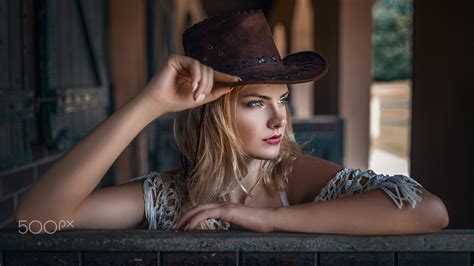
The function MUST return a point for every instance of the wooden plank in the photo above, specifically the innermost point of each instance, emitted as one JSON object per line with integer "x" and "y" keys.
{"x": 434, "y": 258}
{"x": 3, "y": 140}
{"x": 165, "y": 155}
{"x": 128, "y": 69}
{"x": 14, "y": 110}
{"x": 325, "y": 137}
{"x": 357, "y": 258}
{"x": 442, "y": 109}
{"x": 4, "y": 46}
{"x": 89, "y": 22}
{"x": 161, "y": 33}
{"x": 41, "y": 258}
{"x": 199, "y": 258}
{"x": 16, "y": 44}
{"x": 278, "y": 258}
{"x": 120, "y": 258}
{"x": 71, "y": 63}
{"x": 14, "y": 147}
{"x": 327, "y": 41}
{"x": 62, "y": 45}
{"x": 68, "y": 67}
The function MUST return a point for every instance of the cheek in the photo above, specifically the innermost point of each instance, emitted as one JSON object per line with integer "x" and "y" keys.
{"x": 249, "y": 125}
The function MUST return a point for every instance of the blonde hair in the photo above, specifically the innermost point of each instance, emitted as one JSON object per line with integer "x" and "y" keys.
{"x": 221, "y": 162}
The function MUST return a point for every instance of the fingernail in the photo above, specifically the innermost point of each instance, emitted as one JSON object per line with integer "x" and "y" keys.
{"x": 186, "y": 228}
{"x": 200, "y": 97}
{"x": 195, "y": 86}
{"x": 239, "y": 79}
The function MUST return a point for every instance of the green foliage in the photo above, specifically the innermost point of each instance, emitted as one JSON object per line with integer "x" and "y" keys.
{"x": 392, "y": 39}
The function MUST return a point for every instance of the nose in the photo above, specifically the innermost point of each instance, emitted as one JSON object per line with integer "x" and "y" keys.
{"x": 277, "y": 118}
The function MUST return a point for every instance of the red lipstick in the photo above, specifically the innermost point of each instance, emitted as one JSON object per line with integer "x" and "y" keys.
{"x": 273, "y": 140}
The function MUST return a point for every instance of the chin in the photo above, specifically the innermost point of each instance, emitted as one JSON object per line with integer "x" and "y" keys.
{"x": 265, "y": 155}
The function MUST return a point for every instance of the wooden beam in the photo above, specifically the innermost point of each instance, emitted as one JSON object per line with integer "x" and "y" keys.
{"x": 128, "y": 75}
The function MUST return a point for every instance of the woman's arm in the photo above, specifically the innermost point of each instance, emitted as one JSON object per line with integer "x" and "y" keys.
{"x": 371, "y": 212}
{"x": 367, "y": 213}
{"x": 62, "y": 190}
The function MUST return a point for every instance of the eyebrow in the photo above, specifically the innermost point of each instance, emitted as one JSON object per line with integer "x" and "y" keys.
{"x": 264, "y": 96}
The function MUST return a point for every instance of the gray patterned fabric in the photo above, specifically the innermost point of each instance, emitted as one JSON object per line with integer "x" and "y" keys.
{"x": 350, "y": 181}
{"x": 163, "y": 196}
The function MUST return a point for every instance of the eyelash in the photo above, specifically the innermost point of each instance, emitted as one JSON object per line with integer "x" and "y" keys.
{"x": 251, "y": 104}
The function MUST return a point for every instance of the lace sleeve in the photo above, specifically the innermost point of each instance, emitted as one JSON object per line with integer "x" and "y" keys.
{"x": 349, "y": 181}
{"x": 163, "y": 198}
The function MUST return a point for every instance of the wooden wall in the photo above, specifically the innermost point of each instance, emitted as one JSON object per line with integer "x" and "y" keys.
{"x": 129, "y": 76}
{"x": 442, "y": 109}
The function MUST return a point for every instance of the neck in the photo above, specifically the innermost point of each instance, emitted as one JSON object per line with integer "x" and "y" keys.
{"x": 249, "y": 181}
{"x": 252, "y": 175}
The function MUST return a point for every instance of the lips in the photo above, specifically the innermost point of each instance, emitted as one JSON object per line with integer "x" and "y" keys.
{"x": 275, "y": 139}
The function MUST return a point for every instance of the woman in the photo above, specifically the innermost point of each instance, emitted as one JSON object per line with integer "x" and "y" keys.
{"x": 241, "y": 165}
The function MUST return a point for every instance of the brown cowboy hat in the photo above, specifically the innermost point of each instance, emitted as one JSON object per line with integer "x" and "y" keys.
{"x": 240, "y": 43}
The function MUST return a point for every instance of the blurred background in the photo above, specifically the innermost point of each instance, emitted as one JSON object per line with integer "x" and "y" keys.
{"x": 395, "y": 99}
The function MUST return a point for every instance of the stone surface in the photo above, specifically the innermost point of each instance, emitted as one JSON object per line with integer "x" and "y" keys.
{"x": 212, "y": 241}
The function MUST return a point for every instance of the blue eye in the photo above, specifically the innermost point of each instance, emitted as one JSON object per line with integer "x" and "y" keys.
{"x": 284, "y": 101}
{"x": 254, "y": 104}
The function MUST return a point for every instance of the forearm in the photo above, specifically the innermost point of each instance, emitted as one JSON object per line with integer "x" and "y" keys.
{"x": 72, "y": 178}
{"x": 368, "y": 213}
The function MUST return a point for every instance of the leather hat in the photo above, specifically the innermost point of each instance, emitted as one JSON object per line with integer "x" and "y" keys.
{"x": 240, "y": 43}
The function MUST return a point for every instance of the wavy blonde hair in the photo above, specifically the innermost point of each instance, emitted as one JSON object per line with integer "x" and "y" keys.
{"x": 221, "y": 161}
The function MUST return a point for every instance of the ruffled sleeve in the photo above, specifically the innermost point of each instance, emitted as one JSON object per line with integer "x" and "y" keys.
{"x": 350, "y": 181}
{"x": 163, "y": 197}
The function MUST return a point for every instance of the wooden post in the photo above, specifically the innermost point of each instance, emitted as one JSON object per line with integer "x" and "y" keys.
{"x": 128, "y": 75}
{"x": 442, "y": 110}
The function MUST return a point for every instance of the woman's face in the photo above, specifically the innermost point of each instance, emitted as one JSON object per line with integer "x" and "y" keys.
{"x": 260, "y": 119}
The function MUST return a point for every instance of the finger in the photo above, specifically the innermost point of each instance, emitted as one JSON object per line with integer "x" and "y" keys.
{"x": 204, "y": 215}
{"x": 181, "y": 63}
{"x": 223, "y": 77}
{"x": 211, "y": 81}
{"x": 196, "y": 74}
{"x": 184, "y": 219}
{"x": 207, "y": 73}
{"x": 223, "y": 212}
{"x": 202, "y": 84}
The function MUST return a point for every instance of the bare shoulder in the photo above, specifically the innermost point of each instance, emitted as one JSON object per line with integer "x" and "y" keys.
{"x": 308, "y": 176}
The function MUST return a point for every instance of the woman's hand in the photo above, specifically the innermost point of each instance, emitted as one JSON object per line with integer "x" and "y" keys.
{"x": 184, "y": 83}
{"x": 251, "y": 218}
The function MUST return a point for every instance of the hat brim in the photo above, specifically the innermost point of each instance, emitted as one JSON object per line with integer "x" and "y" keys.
{"x": 299, "y": 67}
